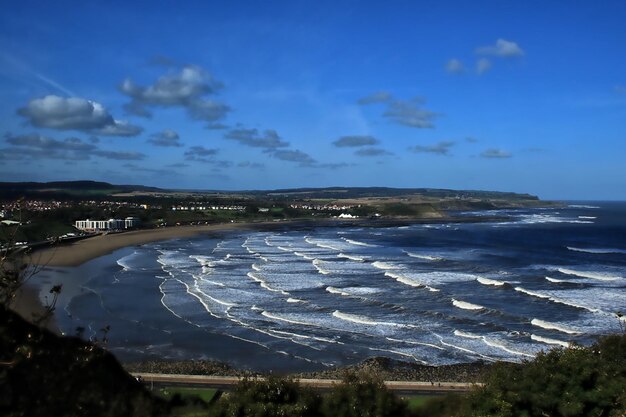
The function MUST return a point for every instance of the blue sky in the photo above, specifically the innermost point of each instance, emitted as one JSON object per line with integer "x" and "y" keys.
{"x": 522, "y": 96}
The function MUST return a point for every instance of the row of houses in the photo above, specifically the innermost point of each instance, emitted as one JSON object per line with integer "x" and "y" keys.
{"x": 111, "y": 224}
{"x": 192, "y": 208}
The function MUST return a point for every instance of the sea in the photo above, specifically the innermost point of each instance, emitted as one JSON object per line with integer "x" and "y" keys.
{"x": 520, "y": 282}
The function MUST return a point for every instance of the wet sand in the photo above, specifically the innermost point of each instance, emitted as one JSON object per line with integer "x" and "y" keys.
{"x": 81, "y": 251}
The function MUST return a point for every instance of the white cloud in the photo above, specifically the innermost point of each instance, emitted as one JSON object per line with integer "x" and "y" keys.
{"x": 502, "y": 48}
{"x": 75, "y": 114}
{"x": 454, "y": 66}
{"x": 185, "y": 88}
{"x": 482, "y": 65}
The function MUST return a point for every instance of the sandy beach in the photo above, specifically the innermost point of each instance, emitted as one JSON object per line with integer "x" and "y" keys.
{"x": 81, "y": 251}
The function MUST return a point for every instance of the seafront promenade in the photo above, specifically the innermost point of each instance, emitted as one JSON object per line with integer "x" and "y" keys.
{"x": 228, "y": 382}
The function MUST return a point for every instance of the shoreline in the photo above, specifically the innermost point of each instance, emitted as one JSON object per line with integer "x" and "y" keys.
{"x": 81, "y": 251}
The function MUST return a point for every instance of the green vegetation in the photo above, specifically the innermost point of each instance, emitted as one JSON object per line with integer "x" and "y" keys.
{"x": 34, "y": 232}
{"x": 205, "y": 394}
{"x": 416, "y": 402}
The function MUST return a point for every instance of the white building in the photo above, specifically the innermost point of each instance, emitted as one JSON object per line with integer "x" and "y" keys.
{"x": 131, "y": 222}
{"x": 111, "y": 224}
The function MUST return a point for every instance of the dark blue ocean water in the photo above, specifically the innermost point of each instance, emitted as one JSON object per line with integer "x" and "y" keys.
{"x": 294, "y": 300}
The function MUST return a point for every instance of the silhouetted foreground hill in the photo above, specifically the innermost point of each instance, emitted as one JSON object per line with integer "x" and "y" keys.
{"x": 42, "y": 374}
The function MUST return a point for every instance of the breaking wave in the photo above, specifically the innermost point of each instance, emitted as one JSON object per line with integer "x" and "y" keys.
{"x": 351, "y": 257}
{"x": 465, "y": 305}
{"x": 354, "y": 318}
{"x": 487, "y": 281}
{"x": 384, "y": 265}
{"x": 548, "y": 340}
{"x": 597, "y": 250}
{"x": 588, "y": 274}
{"x": 357, "y": 243}
{"x": 553, "y": 326}
{"x": 424, "y": 257}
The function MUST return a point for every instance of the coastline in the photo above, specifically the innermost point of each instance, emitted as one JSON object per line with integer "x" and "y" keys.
{"x": 81, "y": 251}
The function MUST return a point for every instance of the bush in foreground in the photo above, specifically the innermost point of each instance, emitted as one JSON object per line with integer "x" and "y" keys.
{"x": 578, "y": 381}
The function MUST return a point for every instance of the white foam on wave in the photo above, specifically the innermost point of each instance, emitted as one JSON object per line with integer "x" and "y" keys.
{"x": 256, "y": 267}
{"x": 284, "y": 249}
{"x": 409, "y": 281}
{"x": 597, "y": 250}
{"x": 587, "y": 217}
{"x": 557, "y": 281}
{"x": 553, "y": 299}
{"x": 286, "y": 320}
{"x": 548, "y": 340}
{"x": 295, "y": 300}
{"x": 542, "y": 219}
{"x": 351, "y": 257}
{"x": 357, "y": 243}
{"x": 583, "y": 206}
{"x": 553, "y": 326}
{"x": 467, "y": 335}
{"x": 589, "y": 274}
{"x": 500, "y": 345}
{"x": 321, "y": 244}
{"x": 264, "y": 284}
{"x": 301, "y": 336}
{"x": 400, "y": 353}
{"x": 493, "y": 282}
{"x": 412, "y": 342}
{"x": 354, "y": 318}
{"x": 318, "y": 264}
{"x": 384, "y": 265}
{"x": 123, "y": 262}
{"x": 334, "y": 290}
{"x": 465, "y": 305}
{"x": 424, "y": 257}
{"x": 302, "y": 255}
{"x": 464, "y": 349}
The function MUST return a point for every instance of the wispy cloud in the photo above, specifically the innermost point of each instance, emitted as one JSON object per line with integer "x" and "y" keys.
{"x": 40, "y": 147}
{"x": 454, "y": 66}
{"x": 120, "y": 156}
{"x": 441, "y": 148}
{"x": 23, "y": 67}
{"x": 157, "y": 171}
{"x": 355, "y": 141}
{"x": 409, "y": 113}
{"x": 377, "y": 97}
{"x": 166, "y": 138}
{"x": 268, "y": 139}
{"x": 502, "y": 48}
{"x": 482, "y": 66}
{"x": 369, "y": 152}
{"x": 495, "y": 153}
{"x": 294, "y": 156}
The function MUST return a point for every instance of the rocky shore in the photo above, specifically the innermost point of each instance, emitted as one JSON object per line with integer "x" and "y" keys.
{"x": 387, "y": 369}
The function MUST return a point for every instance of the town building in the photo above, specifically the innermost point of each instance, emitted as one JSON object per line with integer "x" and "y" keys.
{"x": 106, "y": 225}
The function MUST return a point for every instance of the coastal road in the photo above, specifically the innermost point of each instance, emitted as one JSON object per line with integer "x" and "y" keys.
{"x": 227, "y": 382}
